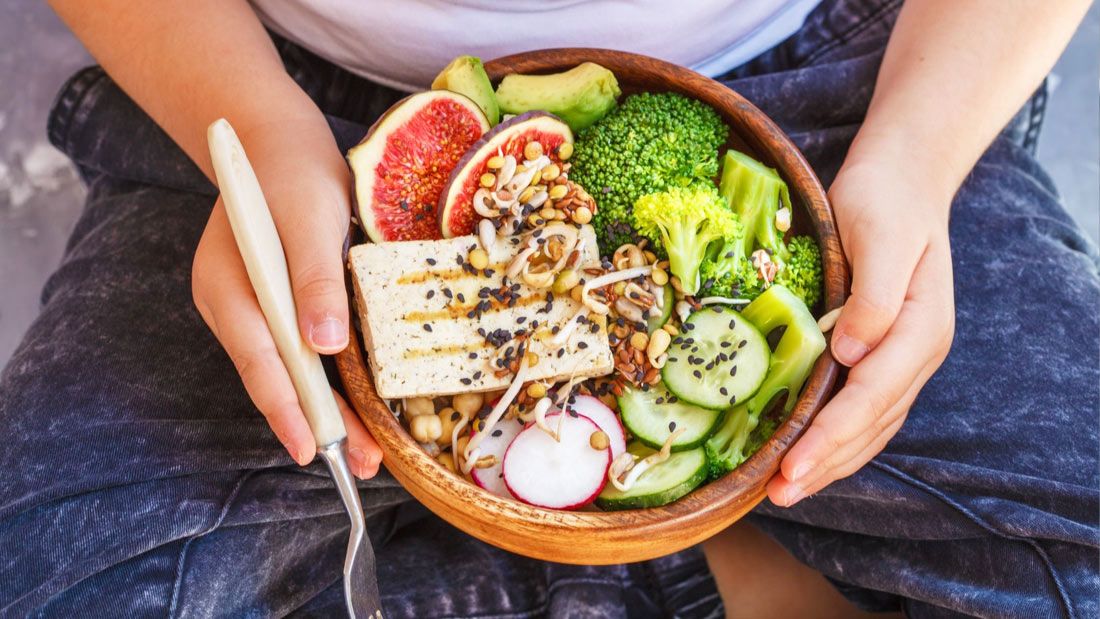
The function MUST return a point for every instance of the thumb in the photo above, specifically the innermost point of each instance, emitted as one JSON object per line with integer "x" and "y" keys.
{"x": 881, "y": 271}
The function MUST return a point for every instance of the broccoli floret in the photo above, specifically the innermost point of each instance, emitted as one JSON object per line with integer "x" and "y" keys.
{"x": 790, "y": 366}
{"x": 755, "y": 192}
{"x": 684, "y": 221}
{"x": 727, "y": 273}
{"x": 801, "y": 273}
{"x": 651, "y": 142}
{"x": 725, "y": 450}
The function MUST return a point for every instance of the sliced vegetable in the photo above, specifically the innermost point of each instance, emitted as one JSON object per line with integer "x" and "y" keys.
{"x": 660, "y": 485}
{"x": 718, "y": 360}
{"x": 652, "y": 415}
{"x": 493, "y": 447}
{"x": 563, "y": 474}
{"x": 604, "y": 417}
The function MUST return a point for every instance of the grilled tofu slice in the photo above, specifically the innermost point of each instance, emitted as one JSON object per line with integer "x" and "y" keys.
{"x": 432, "y": 327}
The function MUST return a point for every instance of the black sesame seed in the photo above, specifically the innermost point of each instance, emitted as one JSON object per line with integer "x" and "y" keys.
{"x": 497, "y": 433}
{"x": 582, "y": 345}
{"x": 466, "y": 381}
{"x": 431, "y": 293}
{"x": 431, "y": 261}
{"x": 473, "y": 355}
{"x": 521, "y": 319}
{"x": 455, "y": 416}
{"x": 461, "y": 298}
{"x": 477, "y": 375}
{"x": 427, "y": 327}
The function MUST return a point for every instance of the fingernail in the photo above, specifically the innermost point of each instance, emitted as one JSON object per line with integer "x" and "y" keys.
{"x": 359, "y": 462}
{"x": 849, "y": 350}
{"x": 295, "y": 453}
{"x": 793, "y": 495}
{"x": 800, "y": 471}
{"x": 329, "y": 333}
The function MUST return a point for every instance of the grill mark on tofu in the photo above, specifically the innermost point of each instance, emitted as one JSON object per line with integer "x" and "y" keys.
{"x": 419, "y": 277}
{"x": 453, "y": 349}
{"x": 459, "y": 310}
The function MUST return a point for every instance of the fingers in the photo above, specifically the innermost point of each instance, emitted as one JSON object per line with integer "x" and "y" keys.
{"x": 228, "y": 305}
{"x": 872, "y": 405}
{"x": 363, "y": 452}
{"x": 880, "y": 280}
{"x": 313, "y": 239}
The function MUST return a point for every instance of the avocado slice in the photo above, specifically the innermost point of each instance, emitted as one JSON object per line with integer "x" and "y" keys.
{"x": 466, "y": 76}
{"x": 579, "y": 96}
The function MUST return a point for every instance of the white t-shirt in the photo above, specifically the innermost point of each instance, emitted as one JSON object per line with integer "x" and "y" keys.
{"x": 405, "y": 43}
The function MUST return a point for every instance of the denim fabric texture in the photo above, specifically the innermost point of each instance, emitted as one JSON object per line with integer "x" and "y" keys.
{"x": 137, "y": 480}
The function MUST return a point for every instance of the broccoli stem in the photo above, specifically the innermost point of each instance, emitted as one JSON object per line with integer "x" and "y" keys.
{"x": 755, "y": 192}
{"x": 791, "y": 362}
{"x": 686, "y": 243}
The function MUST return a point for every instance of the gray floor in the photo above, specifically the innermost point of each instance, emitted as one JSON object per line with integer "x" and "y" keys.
{"x": 40, "y": 196}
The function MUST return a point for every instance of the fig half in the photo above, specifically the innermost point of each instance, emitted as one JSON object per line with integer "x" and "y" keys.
{"x": 456, "y": 203}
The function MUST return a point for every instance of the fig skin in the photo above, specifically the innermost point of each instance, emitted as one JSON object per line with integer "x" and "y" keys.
{"x": 485, "y": 148}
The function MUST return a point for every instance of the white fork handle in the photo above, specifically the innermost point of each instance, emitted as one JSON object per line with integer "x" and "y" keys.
{"x": 258, "y": 241}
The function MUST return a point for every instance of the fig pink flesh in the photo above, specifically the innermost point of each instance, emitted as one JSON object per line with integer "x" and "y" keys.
{"x": 604, "y": 417}
{"x": 564, "y": 474}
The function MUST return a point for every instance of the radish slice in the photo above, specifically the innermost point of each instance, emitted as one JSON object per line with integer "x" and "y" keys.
{"x": 605, "y": 418}
{"x": 495, "y": 444}
{"x": 564, "y": 474}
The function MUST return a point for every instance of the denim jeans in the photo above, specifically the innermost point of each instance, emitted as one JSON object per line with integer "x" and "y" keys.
{"x": 136, "y": 478}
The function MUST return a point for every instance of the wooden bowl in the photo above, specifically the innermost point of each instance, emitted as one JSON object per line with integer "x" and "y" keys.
{"x": 590, "y": 537}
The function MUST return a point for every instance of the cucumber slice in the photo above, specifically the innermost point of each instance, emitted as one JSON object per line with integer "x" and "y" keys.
{"x": 658, "y": 320}
{"x": 649, "y": 414}
{"x": 718, "y": 360}
{"x": 662, "y": 484}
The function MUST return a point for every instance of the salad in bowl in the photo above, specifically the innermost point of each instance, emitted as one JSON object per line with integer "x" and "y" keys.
{"x": 576, "y": 298}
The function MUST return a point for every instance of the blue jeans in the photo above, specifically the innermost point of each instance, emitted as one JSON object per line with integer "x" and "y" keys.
{"x": 136, "y": 479}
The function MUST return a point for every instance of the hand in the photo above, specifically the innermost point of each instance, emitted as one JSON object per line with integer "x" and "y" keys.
{"x": 306, "y": 183}
{"x": 894, "y": 331}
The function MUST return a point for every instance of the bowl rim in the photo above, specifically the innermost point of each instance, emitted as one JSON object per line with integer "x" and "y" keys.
{"x": 706, "y": 510}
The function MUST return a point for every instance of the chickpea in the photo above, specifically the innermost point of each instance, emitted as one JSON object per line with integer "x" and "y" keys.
{"x": 448, "y": 419}
{"x": 415, "y": 407}
{"x": 468, "y": 403}
{"x": 425, "y": 428}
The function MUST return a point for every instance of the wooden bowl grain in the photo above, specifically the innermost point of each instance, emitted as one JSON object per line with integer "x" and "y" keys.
{"x": 592, "y": 537}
